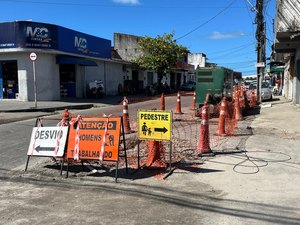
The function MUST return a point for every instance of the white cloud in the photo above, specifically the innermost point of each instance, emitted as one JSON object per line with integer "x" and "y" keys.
{"x": 130, "y": 2}
{"x": 219, "y": 35}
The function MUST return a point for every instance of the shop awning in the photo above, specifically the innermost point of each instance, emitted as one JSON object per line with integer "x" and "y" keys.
{"x": 62, "y": 59}
{"x": 277, "y": 69}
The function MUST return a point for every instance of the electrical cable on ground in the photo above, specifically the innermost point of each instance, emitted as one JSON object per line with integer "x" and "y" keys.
{"x": 253, "y": 160}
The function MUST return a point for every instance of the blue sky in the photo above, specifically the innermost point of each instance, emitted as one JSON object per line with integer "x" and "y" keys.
{"x": 222, "y": 29}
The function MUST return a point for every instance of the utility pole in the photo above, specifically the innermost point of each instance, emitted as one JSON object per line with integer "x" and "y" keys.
{"x": 261, "y": 46}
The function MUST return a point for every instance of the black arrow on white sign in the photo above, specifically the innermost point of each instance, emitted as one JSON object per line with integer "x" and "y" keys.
{"x": 44, "y": 149}
{"x": 161, "y": 129}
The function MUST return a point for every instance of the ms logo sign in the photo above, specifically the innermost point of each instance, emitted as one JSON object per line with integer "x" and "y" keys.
{"x": 37, "y": 33}
{"x": 80, "y": 43}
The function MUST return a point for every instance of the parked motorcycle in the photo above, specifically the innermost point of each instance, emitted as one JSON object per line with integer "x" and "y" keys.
{"x": 95, "y": 89}
{"x": 276, "y": 90}
{"x": 157, "y": 88}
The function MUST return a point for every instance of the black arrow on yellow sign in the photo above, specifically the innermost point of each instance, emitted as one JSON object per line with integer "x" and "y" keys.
{"x": 161, "y": 129}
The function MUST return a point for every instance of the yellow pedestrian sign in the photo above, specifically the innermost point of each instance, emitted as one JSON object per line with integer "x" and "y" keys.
{"x": 154, "y": 125}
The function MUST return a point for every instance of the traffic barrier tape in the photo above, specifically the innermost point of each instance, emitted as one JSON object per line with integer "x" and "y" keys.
{"x": 104, "y": 141}
{"x": 39, "y": 124}
{"x": 58, "y": 140}
{"x": 75, "y": 123}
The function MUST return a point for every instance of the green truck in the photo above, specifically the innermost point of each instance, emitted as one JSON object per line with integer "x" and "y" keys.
{"x": 215, "y": 81}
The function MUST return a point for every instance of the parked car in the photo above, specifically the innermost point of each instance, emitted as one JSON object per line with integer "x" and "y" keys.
{"x": 247, "y": 84}
{"x": 266, "y": 90}
{"x": 188, "y": 86}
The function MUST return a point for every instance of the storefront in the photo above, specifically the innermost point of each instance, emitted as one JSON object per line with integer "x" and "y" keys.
{"x": 67, "y": 61}
{"x": 8, "y": 79}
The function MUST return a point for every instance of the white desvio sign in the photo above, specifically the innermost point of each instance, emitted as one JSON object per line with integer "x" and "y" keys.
{"x": 48, "y": 141}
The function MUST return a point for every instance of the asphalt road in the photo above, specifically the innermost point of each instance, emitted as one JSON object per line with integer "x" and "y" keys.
{"x": 15, "y": 136}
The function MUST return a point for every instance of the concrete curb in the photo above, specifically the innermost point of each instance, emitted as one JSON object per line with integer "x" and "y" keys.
{"x": 50, "y": 109}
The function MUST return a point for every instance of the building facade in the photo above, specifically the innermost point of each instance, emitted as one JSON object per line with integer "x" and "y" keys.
{"x": 197, "y": 59}
{"x": 126, "y": 45}
{"x": 285, "y": 59}
{"x": 67, "y": 60}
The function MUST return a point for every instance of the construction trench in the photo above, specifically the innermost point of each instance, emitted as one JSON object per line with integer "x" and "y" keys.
{"x": 196, "y": 134}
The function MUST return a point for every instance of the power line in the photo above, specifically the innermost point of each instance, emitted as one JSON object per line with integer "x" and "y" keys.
{"x": 253, "y": 7}
{"x": 251, "y": 19}
{"x": 229, "y": 49}
{"x": 231, "y": 53}
{"x": 251, "y": 71}
{"x": 114, "y": 5}
{"x": 245, "y": 67}
{"x": 241, "y": 62}
{"x": 206, "y": 22}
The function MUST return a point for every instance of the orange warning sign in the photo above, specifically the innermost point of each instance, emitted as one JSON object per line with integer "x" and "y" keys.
{"x": 90, "y": 136}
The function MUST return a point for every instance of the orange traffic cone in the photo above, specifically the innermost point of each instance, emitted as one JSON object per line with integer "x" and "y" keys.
{"x": 194, "y": 101}
{"x": 247, "y": 106}
{"x": 242, "y": 98}
{"x": 162, "y": 102}
{"x": 234, "y": 89}
{"x": 126, "y": 122}
{"x": 238, "y": 114}
{"x": 65, "y": 118}
{"x": 230, "y": 109}
{"x": 178, "y": 105}
{"x": 222, "y": 118}
{"x": 155, "y": 154}
{"x": 203, "y": 145}
{"x": 253, "y": 98}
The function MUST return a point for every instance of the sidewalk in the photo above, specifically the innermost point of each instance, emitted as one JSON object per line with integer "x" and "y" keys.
{"x": 282, "y": 116}
{"x": 12, "y": 110}
{"x": 13, "y": 105}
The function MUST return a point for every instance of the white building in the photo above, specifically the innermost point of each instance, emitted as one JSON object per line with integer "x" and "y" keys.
{"x": 197, "y": 60}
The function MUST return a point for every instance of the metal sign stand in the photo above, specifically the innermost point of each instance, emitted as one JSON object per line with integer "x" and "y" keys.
{"x": 124, "y": 144}
{"x": 117, "y": 162}
{"x": 164, "y": 125}
{"x": 125, "y": 152}
{"x": 170, "y": 160}
{"x": 61, "y": 165}
{"x": 170, "y": 163}
{"x": 38, "y": 122}
{"x": 33, "y": 58}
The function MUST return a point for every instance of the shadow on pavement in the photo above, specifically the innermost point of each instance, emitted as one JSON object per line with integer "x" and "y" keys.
{"x": 78, "y": 170}
{"x": 252, "y": 111}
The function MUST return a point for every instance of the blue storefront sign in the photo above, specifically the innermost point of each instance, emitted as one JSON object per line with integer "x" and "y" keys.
{"x": 83, "y": 44}
{"x": 7, "y": 37}
{"x": 1, "y": 81}
{"x": 26, "y": 34}
{"x": 37, "y": 35}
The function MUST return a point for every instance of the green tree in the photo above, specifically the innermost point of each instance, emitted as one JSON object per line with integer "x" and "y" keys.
{"x": 159, "y": 54}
